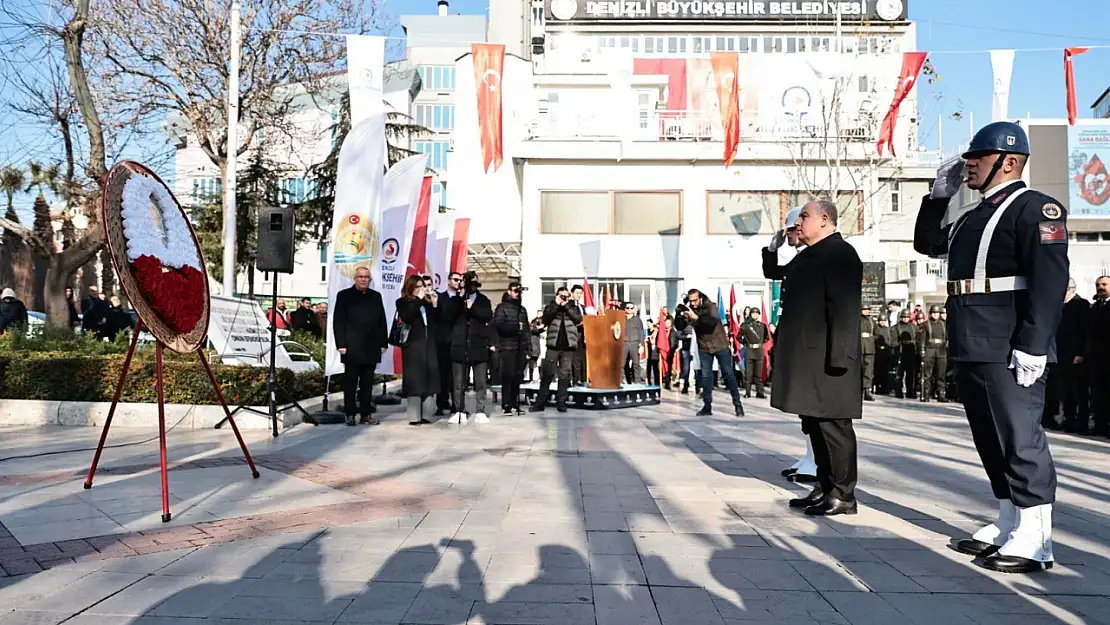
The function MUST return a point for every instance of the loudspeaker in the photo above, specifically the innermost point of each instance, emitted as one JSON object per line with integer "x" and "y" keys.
{"x": 275, "y": 240}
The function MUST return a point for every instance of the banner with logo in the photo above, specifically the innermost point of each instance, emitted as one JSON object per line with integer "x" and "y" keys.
{"x": 624, "y": 98}
{"x": 489, "y": 67}
{"x": 357, "y": 211}
{"x": 851, "y": 11}
{"x": 401, "y": 195}
{"x": 441, "y": 256}
{"x": 726, "y": 65}
{"x": 1002, "y": 64}
{"x": 1088, "y": 170}
{"x": 365, "y": 67}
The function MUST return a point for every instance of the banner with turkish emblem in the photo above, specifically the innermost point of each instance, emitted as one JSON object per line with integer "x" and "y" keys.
{"x": 355, "y": 237}
{"x": 401, "y": 195}
{"x": 726, "y": 67}
{"x": 489, "y": 66}
{"x": 912, "y": 62}
{"x": 365, "y": 68}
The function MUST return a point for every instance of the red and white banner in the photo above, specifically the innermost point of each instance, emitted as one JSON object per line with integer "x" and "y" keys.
{"x": 460, "y": 245}
{"x": 1002, "y": 64}
{"x": 726, "y": 67}
{"x": 418, "y": 255}
{"x": 1069, "y": 81}
{"x": 441, "y": 257}
{"x": 912, "y": 62}
{"x": 588, "y": 298}
{"x": 489, "y": 66}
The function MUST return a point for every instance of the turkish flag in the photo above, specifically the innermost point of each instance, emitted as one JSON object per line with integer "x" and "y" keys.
{"x": 912, "y": 62}
{"x": 733, "y": 322}
{"x": 460, "y": 245}
{"x": 419, "y": 242}
{"x": 1069, "y": 80}
{"x": 768, "y": 345}
{"x": 726, "y": 66}
{"x": 588, "y": 296}
{"x": 489, "y": 63}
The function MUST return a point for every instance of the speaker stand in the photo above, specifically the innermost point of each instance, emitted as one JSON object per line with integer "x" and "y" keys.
{"x": 272, "y": 389}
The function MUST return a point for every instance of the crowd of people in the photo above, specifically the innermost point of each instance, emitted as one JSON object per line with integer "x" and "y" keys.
{"x": 100, "y": 316}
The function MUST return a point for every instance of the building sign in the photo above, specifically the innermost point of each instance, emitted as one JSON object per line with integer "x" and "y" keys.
{"x": 240, "y": 334}
{"x": 728, "y": 10}
{"x": 1088, "y": 167}
{"x": 873, "y": 293}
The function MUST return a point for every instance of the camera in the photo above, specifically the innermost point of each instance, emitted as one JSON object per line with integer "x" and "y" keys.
{"x": 681, "y": 309}
{"x": 471, "y": 283}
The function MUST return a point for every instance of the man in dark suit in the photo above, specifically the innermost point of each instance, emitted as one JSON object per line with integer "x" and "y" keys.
{"x": 443, "y": 332}
{"x": 818, "y": 368}
{"x": 1067, "y": 382}
{"x": 304, "y": 318}
{"x": 361, "y": 337}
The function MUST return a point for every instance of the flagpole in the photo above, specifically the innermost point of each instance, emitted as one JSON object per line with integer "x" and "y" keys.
{"x": 232, "y": 157}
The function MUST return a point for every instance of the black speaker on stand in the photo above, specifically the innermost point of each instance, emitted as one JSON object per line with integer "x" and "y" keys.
{"x": 275, "y": 255}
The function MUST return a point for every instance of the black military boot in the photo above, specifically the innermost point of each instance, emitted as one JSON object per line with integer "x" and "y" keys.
{"x": 867, "y": 396}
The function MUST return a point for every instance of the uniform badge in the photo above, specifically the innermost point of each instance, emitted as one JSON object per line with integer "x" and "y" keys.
{"x": 997, "y": 199}
{"x": 1051, "y": 211}
{"x": 1052, "y": 232}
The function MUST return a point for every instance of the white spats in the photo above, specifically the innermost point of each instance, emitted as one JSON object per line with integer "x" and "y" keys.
{"x": 458, "y": 418}
{"x": 1032, "y": 537}
{"x": 808, "y": 464}
{"x": 481, "y": 418}
{"x": 996, "y": 533}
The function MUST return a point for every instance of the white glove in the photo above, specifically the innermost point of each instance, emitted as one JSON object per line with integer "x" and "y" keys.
{"x": 777, "y": 240}
{"x": 1027, "y": 368}
{"x": 949, "y": 179}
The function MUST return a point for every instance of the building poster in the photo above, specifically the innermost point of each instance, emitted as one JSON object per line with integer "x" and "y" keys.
{"x": 1088, "y": 184}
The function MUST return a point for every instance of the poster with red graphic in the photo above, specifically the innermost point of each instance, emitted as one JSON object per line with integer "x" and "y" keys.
{"x": 1088, "y": 166}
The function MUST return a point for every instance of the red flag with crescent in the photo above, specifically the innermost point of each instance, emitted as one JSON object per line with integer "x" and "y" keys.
{"x": 588, "y": 295}
{"x": 726, "y": 67}
{"x": 489, "y": 63}
{"x": 912, "y": 62}
{"x": 419, "y": 238}
{"x": 1069, "y": 81}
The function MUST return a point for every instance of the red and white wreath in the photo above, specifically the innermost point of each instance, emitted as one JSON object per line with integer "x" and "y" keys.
{"x": 162, "y": 252}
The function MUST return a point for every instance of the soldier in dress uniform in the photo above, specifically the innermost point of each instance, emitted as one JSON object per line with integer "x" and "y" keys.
{"x": 932, "y": 344}
{"x": 883, "y": 340}
{"x": 905, "y": 335}
{"x": 754, "y": 333}
{"x": 1007, "y": 272}
{"x": 867, "y": 350}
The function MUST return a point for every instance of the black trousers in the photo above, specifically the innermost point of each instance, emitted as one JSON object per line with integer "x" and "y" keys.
{"x": 753, "y": 374}
{"x": 512, "y": 372}
{"x": 834, "y": 451}
{"x": 934, "y": 374}
{"x": 1100, "y": 397}
{"x": 556, "y": 364}
{"x": 578, "y": 367}
{"x": 907, "y": 373}
{"x": 358, "y": 384}
{"x": 1075, "y": 393}
{"x": 882, "y": 371}
{"x": 653, "y": 372}
{"x": 446, "y": 380}
{"x": 867, "y": 371}
{"x": 1005, "y": 421}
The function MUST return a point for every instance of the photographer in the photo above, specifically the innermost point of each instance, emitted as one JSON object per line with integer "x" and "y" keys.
{"x": 535, "y": 332}
{"x": 510, "y": 321}
{"x": 713, "y": 345}
{"x": 469, "y": 312}
{"x": 562, "y": 319}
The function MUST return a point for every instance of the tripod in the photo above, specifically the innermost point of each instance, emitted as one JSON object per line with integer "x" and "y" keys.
{"x": 272, "y": 389}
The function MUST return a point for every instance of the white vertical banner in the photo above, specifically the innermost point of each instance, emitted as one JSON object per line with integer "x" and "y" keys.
{"x": 441, "y": 257}
{"x": 1002, "y": 62}
{"x": 365, "y": 67}
{"x": 626, "y": 118}
{"x": 400, "y": 195}
{"x": 357, "y": 211}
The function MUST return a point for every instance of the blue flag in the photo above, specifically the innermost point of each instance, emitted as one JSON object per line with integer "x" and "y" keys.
{"x": 721, "y": 306}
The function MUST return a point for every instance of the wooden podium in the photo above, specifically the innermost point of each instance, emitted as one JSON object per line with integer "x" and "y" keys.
{"x": 605, "y": 348}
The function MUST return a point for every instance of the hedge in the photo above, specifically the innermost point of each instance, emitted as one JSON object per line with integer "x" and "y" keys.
{"x": 66, "y": 377}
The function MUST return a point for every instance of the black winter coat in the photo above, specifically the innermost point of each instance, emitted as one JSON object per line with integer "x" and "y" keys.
{"x": 510, "y": 322}
{"x": 359, "y": 323}
{"x": 13, "y": 315}
{"x": 817, "y": 354}
{"x": 470, "y": 334}
{"x": 1071, "y": 336}
{"x": 419, "y": 359}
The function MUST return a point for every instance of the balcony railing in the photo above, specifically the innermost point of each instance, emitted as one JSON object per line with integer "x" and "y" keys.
{"x": 906, "y": 270}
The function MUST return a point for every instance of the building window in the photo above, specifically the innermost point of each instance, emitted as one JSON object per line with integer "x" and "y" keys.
{"x": 295, "y": 190}
{"x": 772, "y": 44}
{"x": 323, "y": 261}
{"x": 743, "y": 212}
{"x": 437, "y": 77}
{"x": 572, "y": 212}
{"x": 1087, "y": 237}
{"x": 207, "y": 190}
{"x": 439, "y": 194}
{"x": 436, "y": 116}
{"x": 895, "y": 196}
{"x": 548, "y": 289}
{"x": 647, "y": 213}
{"x": 436, "y": 151}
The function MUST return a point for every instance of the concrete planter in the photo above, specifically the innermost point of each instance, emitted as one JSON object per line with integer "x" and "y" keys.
{"x": 183, "y": 416}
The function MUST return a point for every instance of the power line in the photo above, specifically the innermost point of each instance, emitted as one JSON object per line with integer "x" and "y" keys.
{"x": 1016, "y": 31}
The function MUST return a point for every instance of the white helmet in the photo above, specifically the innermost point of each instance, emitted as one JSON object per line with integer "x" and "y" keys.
{"x": 792, "y": 217}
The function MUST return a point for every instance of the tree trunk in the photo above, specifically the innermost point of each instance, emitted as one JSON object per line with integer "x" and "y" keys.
{"x": 57, "y": 311}
{"x": 108, "y": 273}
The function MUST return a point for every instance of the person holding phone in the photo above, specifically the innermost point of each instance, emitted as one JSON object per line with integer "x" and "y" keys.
{"x": 563, "y": 320}
{"x": 510, "y": 321}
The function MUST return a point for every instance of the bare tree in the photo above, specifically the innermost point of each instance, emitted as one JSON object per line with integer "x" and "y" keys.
{"x": 27, "y": 31}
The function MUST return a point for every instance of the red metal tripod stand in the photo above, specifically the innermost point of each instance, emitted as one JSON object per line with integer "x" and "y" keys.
{"x": 162, "y": 417}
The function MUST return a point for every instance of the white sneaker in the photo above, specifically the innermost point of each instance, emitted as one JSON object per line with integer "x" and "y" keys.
{"x": 481, "y": 418}
{"x": 458, "y": 418}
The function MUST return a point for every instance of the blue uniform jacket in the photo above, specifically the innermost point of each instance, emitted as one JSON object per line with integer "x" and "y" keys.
{"x": 1031, "y": 241}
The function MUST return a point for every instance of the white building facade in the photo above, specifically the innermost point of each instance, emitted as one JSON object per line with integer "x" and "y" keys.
{"x": 628, "y": 186}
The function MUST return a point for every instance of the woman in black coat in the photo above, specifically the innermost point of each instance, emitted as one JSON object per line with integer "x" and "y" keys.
{"x": 419, "y": 358}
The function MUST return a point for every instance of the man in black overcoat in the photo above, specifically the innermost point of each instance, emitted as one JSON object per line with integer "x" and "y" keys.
{"x": 818, "y": 361}
{"x": 361, "y": 338}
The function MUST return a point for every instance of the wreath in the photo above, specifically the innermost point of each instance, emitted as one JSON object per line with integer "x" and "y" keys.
{"x": 163, "y": 256}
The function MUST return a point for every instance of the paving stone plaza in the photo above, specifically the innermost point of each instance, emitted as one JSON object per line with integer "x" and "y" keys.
{"x": 635, "y": 517}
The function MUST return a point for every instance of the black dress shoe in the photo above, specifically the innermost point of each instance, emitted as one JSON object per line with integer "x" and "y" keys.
{"x": 899, "y": 396}
{"x": 1012, "y": 564}
{"x": 815, "y": 497}
{"x": 705, "y": 412}
{"x": 350, "y": 419}
{"x": 536, "y": 408}
{"x": 799, "y": 478}
{"x": 789, "y": 472}
{"x": 832, "y": 506}
{"x": 867, "y": 396}
{"x": 562, "y": 408}
{"x": 760, "y": 396}
{"x": 739, "y": 411}
{"x": 976, "y": 548}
